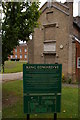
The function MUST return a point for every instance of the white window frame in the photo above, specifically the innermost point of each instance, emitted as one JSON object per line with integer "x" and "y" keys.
{"x": 20, "y": 50}
{"x": 20, "y": 56}
{"x": 11, "y": 56}
{"x": 15, "y": 56}
{"x": 25, "y": 57}
{"x": 15, "y": 50}
{"x": 25, "y": 50}
{"x": 78, "y": 62}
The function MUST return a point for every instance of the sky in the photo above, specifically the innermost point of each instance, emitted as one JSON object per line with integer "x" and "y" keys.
{"x": 75, "y": 6}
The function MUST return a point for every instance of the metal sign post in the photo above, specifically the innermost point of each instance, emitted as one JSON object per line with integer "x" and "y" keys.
{"x": 42, "y": 88}
{"x": 28, "y": 116}
{"x": 55, "y": 116}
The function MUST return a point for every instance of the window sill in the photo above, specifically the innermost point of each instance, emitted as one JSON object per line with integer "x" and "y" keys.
{"x": 50, "y": 52}
{"x": 49, "y": 41}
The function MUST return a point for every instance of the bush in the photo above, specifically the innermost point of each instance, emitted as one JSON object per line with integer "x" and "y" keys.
{"x": 69, "y": 80}
{"x": 63, "y": 78}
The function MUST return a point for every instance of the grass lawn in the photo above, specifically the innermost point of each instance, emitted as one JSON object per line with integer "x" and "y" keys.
{"x": 13, "y": 102}
{"x": 13, "y": 66}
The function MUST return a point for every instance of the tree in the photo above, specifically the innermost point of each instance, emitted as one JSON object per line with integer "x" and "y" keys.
{"x": 20, "y": 19}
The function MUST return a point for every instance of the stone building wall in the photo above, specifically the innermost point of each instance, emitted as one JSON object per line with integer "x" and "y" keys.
{"x": 54, "y": 32}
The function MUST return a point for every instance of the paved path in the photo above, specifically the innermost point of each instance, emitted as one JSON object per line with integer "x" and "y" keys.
{"x": 11, "y": 76}
{"x": 19, "y": 76}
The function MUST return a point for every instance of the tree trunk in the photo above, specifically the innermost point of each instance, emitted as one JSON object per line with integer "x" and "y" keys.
{"x": 3, "y": 67}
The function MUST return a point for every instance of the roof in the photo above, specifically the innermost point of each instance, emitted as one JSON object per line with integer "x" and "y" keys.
{"x": 75, "y": 38}
{"x": 57, "y": 5}
{"x": 77, "y": 21}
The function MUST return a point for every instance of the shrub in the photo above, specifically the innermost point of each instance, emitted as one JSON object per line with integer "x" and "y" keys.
{"x": 69, "y": 80}
{"x": 63, "y": 78}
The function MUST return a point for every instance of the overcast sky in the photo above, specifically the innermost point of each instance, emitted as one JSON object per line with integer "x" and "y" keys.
{"x": 75, "y": 6}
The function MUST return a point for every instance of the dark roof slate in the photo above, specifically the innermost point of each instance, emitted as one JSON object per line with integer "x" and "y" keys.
{"x": 77, "y": 21}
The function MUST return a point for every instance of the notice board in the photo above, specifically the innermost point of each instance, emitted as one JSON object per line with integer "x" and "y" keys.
{"x": 42, "y": 88}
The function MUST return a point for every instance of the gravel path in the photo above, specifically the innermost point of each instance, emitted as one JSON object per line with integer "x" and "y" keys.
{"x": 70, "y": 85}
{"x": 11, "y": 76}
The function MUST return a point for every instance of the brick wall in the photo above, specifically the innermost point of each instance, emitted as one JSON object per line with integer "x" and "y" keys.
{"x": 76, "y": 31}
{"x": 77, "y": 55}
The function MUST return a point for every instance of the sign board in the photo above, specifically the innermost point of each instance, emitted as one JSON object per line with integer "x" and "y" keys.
{"x": 42, "y": 88}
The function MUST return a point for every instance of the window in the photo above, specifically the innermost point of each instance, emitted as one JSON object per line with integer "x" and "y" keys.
{"x": 15, "y": 56}
{"x": 50, "y": 33}
{"x": 20, "y": 50}
{"x": 11, "y": 56}
{"x": 78, "y": 62}
{"x": 20, "y": 56}
{"x": 15, "y": 50}
{"x": 49, "y": 47}
{"x": 49, "y": 15}
{"x": 25, "y": 50}
{"x": 25, "y": 56}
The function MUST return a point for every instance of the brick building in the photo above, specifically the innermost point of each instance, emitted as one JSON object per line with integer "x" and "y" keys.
{"x": 20, "y": 52}
{"x": 52, "y": 41}
{"x": 76, "y": 38}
